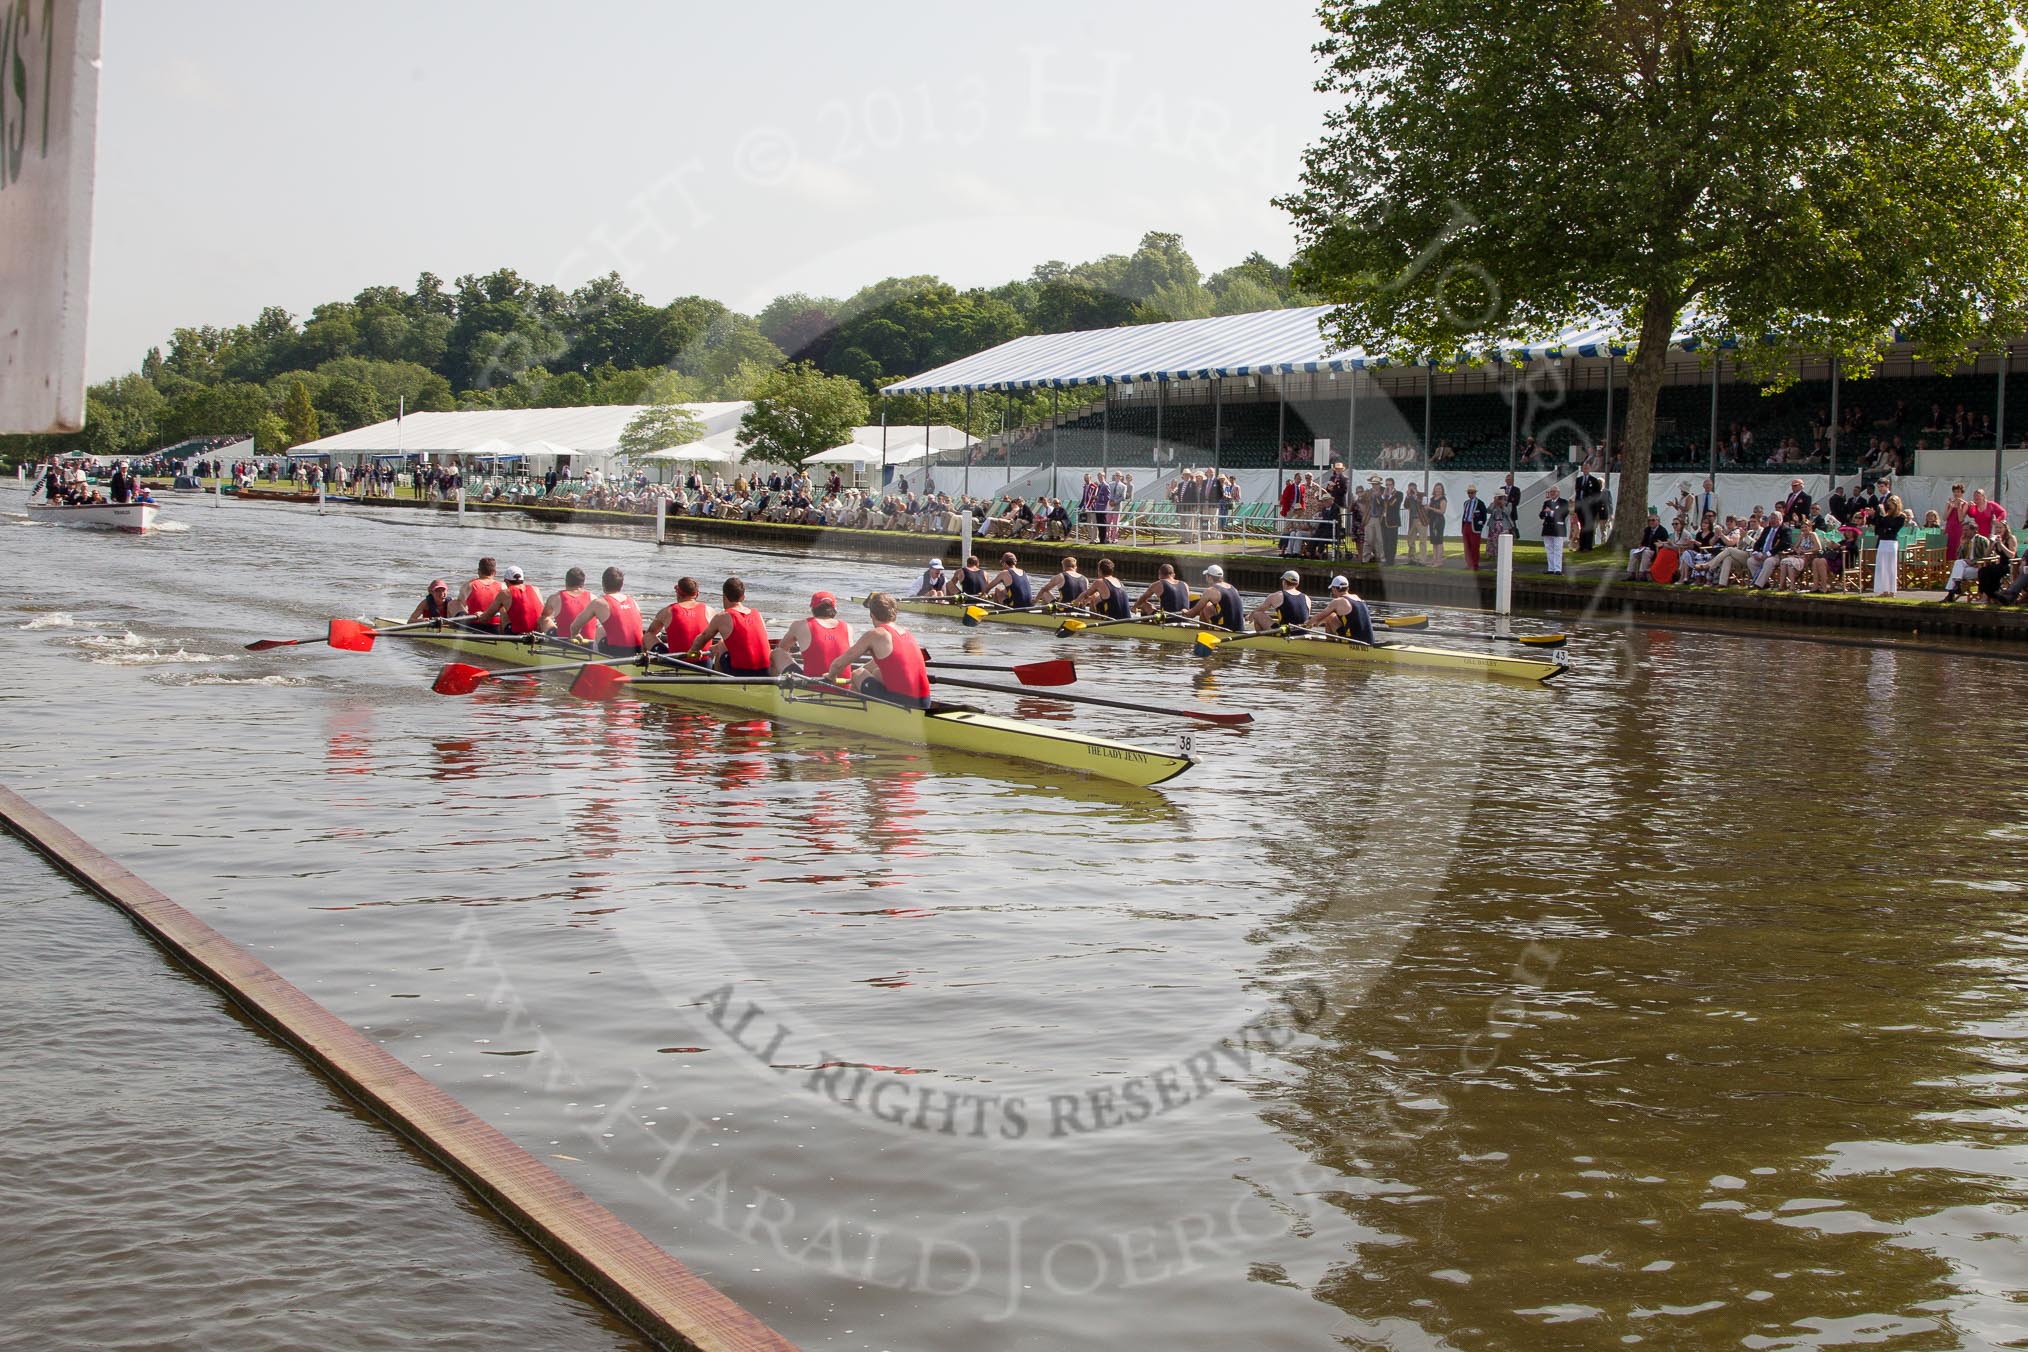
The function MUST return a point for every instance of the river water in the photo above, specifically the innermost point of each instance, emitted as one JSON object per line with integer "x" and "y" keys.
{"x": 1678, "y": 1002}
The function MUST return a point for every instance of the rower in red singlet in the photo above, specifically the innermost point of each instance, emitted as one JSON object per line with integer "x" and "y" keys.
{"x": 679, "y": 623}
{"x": 518, "y": 606}
{"x": 819, "y": 639}
{"x": 897, "y": 672}
{"x": 743, "y": 636}
{"x": 480, "y": 593}
{"x": 560, "y": 614}
{"x": 618, "y": 618}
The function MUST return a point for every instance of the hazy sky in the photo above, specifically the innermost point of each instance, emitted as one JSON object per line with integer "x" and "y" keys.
{"x": 258, "y": 154}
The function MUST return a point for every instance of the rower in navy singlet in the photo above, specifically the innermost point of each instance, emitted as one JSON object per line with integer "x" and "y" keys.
{"x": 1219, "y": 605}
{"x": 1287, "y": 606}
{"x": 1345, "y": 614}
{"x": 1166, "y": 595}
{"x": 1067, "y": 585}
{"x": 1105, "y": 595}
{"x": 1010, "y": 586}
{"x": 972, "y": 578}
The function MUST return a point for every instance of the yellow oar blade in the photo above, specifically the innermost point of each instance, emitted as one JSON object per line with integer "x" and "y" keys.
{"x": 1070, "y": 626}
{"x": 974, "y": 615}
{"x": 1206, "y": 644}
{"x": 1543, "y": 640}
{"x": 1406, "y": 622}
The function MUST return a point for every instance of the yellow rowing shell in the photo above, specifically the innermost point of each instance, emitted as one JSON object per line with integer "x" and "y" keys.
{"x": 952, "y": 726}
{"x": 1412, "y": 655}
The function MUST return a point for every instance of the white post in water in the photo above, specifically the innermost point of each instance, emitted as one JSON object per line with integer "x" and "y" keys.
{"x": 461, "y": 504}
{"x": 218, "y": 496}
{"x": 965, "y": 536}
{"x": 1503, "y": 577}
{"x": 320, "y": 497}
{"x": 661, "y": 516}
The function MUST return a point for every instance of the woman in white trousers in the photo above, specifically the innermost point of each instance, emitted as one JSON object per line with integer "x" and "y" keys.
{"x": 1887, "y": 527}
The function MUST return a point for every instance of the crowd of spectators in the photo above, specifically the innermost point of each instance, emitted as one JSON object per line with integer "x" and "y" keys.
{"x": 68, "y": 485}
{"x": 1803, "y": 545}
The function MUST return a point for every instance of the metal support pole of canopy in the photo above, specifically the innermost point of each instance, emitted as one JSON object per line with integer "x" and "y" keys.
{"x": 1351, "y": 417}
{"x": 1106, "y": 434}
{"x": 1055, "y": 434}
{"x": 1161, "y": 395}
{"x": 2000, "y": 424}
{"x": 1837, "y": 371}
{"x": 1714, "y": 414}
{"x": 1428, "y": 396}
{"x": 1217, "y": 419}
{"x": 1609, "y": 411}
{"x": 1513, "y": 417}
{"x": 1281, "y": 434}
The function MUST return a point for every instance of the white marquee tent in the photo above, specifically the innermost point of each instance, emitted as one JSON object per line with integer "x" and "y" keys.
{"x": 905, "y": 446}
{"x": 589, "y": 435}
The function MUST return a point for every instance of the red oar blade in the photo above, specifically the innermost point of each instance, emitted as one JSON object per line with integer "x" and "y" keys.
{"x": 261, "y": 645}
{"x": 458, "y": 678}
{"x": 1056, "y": 671}
{"x": 1223, "y": 720}
{"x": 599, "y": 682}
{"x": 351, "y": 635}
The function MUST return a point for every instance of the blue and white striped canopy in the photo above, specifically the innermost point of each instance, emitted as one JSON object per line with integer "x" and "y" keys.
{"x": 1266, "y": 342}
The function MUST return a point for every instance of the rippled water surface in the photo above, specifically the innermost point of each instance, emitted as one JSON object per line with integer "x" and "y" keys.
{"x": 1677, "y": 1003}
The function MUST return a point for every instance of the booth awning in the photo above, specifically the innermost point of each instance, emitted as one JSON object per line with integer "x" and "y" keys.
{"x": 1266, "y": 342}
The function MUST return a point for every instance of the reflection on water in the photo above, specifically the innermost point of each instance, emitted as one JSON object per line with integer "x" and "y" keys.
{"x": 1675, "y": 1004}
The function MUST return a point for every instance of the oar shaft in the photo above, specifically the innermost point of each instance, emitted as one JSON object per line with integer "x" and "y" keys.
{"x": 1100, "y": 701}
{"x": 264, "y": 644}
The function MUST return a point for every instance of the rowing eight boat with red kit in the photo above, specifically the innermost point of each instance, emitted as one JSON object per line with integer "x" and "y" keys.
{"x": 797, "y": 700}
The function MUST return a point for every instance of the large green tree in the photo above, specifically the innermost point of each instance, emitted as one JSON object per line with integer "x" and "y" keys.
{"x": 799, "y": 411}
{"x": 299, "y": 416}
{"x": 1807, "y": 176}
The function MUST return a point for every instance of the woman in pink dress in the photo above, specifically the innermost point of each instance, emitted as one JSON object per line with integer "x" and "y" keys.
{"x": 1954, "y": 520}
{"x": 1983, "y": 512}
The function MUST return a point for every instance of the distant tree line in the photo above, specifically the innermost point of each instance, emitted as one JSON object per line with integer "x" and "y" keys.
{"x": 499, "y": 340}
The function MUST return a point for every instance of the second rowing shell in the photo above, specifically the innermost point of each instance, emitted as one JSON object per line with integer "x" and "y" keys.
{"x": 1413, "y": 655}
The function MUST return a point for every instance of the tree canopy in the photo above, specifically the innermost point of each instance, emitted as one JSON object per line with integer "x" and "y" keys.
{"x": 799, "y": 411}
{"x": 499, "y": 340}
{"x": 299, "y": 418}
{"x": 660, "y": 428}
{"x": 1803, "y": 176}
